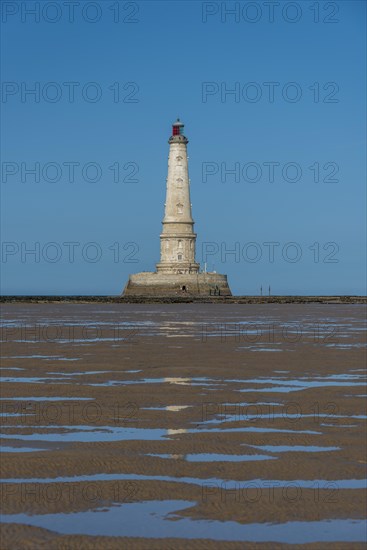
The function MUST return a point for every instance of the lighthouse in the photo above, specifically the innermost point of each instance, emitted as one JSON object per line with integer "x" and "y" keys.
{"x": 178, "y": 239}
{"x": 177, "y": 273}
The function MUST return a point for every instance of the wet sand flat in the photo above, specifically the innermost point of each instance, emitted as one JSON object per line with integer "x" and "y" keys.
{"x": 183, "y": 426}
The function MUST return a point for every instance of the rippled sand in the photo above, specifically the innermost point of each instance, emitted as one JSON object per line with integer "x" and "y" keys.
{"x": 183, "y": 426}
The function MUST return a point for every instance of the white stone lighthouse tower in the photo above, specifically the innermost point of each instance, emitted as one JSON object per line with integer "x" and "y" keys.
{"x": 178, "y": 238}
{"x": 178, "y": 274}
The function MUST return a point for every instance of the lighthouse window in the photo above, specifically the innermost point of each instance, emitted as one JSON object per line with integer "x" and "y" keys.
{"x": 180, "y": 208}
{"x": 180, "y": 256}
{"x": 179, "y": 244}
{"x": 179, "y": 182}
{"x": 178, "y": 160}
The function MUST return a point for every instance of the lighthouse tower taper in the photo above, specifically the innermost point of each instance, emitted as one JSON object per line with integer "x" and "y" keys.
{"x": 177, "y": 273}
{"x": 178, "y": 238}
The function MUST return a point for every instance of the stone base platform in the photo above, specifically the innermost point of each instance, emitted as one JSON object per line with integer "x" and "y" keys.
{"x": 164, "y": 284}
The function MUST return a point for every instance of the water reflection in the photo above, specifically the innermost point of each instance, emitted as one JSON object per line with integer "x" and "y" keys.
{"x": 149, "y": 519}
{"x": 214, "y": 457}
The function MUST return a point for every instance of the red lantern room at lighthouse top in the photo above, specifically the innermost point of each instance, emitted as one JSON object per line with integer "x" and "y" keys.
{"x": 177, "y": 128}
{"x": 177, "y": 133}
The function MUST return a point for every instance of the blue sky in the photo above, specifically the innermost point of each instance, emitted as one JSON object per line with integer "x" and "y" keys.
{"x": 169, "y": 59}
